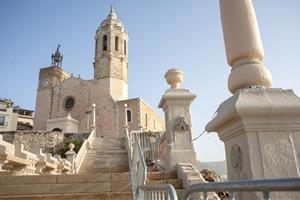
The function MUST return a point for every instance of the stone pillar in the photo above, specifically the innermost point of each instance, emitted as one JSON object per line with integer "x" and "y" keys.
{"x": 94, "y": 116}
{"x": 125, "y": 115}
{"x": 243, "y": 45}
{"x": 176, "y": 103}
{"x": 259, "y": 126}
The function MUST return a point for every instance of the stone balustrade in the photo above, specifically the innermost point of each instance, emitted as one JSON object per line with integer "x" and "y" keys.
{"x": 83, "y": 150}
{"x": 14, "y": 160}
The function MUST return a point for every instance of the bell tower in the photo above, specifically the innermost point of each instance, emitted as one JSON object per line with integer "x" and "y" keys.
{"x": 111, "y": 56}
{"x": 49, "y": 78}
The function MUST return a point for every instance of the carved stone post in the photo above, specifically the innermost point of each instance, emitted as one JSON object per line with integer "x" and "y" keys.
{"x": 176, "y": 103}
{"x": 259, "y": 126}
{"x": 94, "y": 116}
{"x": 71, "y": 157}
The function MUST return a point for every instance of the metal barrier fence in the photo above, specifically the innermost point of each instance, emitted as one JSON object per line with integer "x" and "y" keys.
{"x": 138, "y": 145}
{"x": 157, "y": 192}
{"x": 265, "y": 186}
{"x": 150, "y": 144}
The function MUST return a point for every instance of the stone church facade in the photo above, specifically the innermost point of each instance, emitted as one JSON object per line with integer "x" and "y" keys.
{"x": 66, "y": 101}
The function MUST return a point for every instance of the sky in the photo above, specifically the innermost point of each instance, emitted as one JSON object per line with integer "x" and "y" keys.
{"x": 162, "y": 35}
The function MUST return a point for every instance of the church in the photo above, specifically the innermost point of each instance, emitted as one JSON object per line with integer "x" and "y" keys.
{"x": 65, "y": 102}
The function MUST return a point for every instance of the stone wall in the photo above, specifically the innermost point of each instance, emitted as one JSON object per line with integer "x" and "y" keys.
{"x": 48, "y": 141}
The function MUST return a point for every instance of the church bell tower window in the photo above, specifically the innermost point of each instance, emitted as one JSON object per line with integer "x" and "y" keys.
{"x": 105, "y": 43}
{"x": 125, "y": 47}
{"x": 116, "y": 43}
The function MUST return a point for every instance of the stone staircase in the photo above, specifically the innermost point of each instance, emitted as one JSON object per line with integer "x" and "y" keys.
{"x": 167, "y": 177}
{"x": 105, "y": 155}
{"x": 94, "y": 186}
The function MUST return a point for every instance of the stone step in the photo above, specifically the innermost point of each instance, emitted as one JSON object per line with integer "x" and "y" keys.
{"x": 82, "y": 196}
{"x": 106, "y": 155}
{"x": 110, "y": 169}
{"x": 162, "y": 175}
{"x": 116, "y": 160}
{"x": 108, "y": 142}
{"x": 63, "y": 184}
{"x": 105, "y": 147}
{"x": 175, "y": 182}
{"x": 105, "y": 168}
{"x": 105, "y": 151}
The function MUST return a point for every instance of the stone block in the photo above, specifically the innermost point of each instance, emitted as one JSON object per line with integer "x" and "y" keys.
{"x": 120, "y": 177}
{"x": 155, "y": 175}
{"x": 80, "y": 188}
{"x": 120, "y": 187}
{"x": 170, "y": 175}
{"x": 84, "y": 178}
{"x": 28, "y": 189}
{"x": 176, "y": 183}
{"x": 27, "y": 180}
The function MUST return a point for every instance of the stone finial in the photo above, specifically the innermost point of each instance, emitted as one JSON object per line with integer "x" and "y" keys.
{"x": 174, "y": 77}
{"x": 112, "y": 13}
{"x": 71, "y": 146}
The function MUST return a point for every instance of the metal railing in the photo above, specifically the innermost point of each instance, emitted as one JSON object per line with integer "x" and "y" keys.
{"x": 158, "y": 192}
{"x": 150, "y": 144}
{"x": 138, "y": 168}
{"x": 265, "y": 186}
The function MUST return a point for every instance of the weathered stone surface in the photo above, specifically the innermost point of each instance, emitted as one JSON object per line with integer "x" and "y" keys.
{"x": 95, "y": 196}
{"x": 63, "y": 184}
{"x": 106, "y": 155}
{"x": 261, "y": 131}
{"x": 178, "y": 146}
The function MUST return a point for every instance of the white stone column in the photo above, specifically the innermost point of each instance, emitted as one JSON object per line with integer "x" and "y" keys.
{"x": 259, "y": 126}
{"x": 71, "y": 157}
{"x": 176, "y": 104}
{"x": 243, "y": 45}
{"x": 125, "y": 115}
{"x": 94, "y": 116}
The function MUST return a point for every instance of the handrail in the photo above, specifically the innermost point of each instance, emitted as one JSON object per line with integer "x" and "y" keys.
{"x": 264, "y": 185}
{"x": 138, "y": 169}
{"x": 168, "y": 188}
{"x": 137, "y": 165}
{"x": 83, "y": 149}
{"x": 138, "y": 172}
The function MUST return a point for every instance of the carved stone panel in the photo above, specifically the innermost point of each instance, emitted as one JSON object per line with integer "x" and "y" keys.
{"x": 236, "y": 158}
{"x": 181, "y": 133}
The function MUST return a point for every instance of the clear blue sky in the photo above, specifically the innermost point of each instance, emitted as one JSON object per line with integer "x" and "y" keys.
{"x": 163, "y": 34}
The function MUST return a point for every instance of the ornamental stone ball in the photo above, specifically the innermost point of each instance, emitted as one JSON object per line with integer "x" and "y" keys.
{"x": 174, "y": 77}
{"x": 71, "y": 146}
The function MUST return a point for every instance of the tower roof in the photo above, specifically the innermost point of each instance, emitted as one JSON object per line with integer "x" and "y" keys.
{"x": 112, "y": 14}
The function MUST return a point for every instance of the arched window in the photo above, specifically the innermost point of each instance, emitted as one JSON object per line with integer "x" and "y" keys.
{"x": 116, "y": 43}
{"x": 105, "y": 43}
{"x": 146, "y": 119}
{"x": 96, "y": 48}
{"x": 125, "y": 47}
{"x": 129, "y": 116}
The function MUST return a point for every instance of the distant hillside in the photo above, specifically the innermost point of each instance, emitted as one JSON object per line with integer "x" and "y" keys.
{"x": 219, "y": 167}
